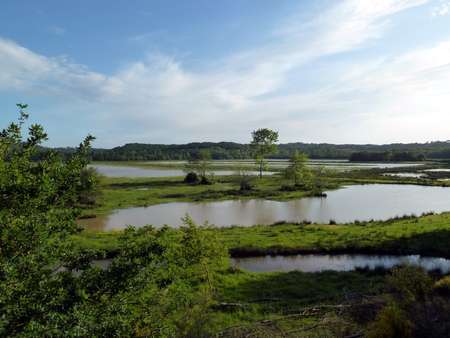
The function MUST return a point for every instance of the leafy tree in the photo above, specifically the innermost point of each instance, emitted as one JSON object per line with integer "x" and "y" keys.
{"x": 37, "y": 216}
{"x": 297, "y": 171}
{"x": 263, "y": 144}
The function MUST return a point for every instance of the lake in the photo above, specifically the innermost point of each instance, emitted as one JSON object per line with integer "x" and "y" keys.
{"x": 345, "y": 262}
{"x": 357, "y": 202}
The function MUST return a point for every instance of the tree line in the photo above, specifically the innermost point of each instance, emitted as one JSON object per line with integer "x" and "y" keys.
{"x": 231, "y": 150}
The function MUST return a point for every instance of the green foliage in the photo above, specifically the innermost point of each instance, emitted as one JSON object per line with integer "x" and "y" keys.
{"x": 161, "y": 284}
{"x": 410, "y": 284}
{"x": 263, "y": 144}
{"x": 298, "y": 172}
{"x": 36, "y": 219}
{"x": 414, "y": 308}
{"x": 391, "y": 322}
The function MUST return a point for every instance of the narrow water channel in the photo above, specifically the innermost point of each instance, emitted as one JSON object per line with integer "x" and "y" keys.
{"x": 345, "y": 262}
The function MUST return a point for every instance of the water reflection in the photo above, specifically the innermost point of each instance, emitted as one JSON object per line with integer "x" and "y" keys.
{"x": 359, "y": 202}
{"x": 321, "y": 262}
{"x": 317, "y": 263}
{"x": 128, "y": 171}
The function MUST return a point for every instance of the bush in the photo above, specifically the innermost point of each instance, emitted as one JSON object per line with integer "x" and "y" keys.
{"x": 391, "y": 322}
{"x": 245, "y": 186}
{"x": 191, "y": 178}
{"x": 205, "y": 180}
{"x": 410, "y": 284}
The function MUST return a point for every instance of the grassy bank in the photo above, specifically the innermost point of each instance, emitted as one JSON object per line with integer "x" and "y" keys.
{"x": 426, "y": 235}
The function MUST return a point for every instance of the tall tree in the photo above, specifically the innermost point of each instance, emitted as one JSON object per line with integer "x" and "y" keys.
{"x": 297, "y": 169}
{"x": 263, "y": 144}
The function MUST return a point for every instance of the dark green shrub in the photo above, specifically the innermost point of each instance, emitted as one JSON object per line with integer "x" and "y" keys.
{"x": 191, "y": 178}
{"x": 391, "y": 322}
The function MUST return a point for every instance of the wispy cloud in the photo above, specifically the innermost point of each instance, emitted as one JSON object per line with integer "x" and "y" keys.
{"x": 162, "y": 101}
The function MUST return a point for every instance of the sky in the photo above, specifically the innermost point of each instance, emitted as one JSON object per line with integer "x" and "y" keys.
{"x": 166, "y": 71}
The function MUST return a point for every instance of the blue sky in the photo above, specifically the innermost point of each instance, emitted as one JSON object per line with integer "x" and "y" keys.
{"x": 165, "y": 71}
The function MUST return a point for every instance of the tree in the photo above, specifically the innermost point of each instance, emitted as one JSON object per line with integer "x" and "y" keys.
{"x": 200, "y": 164}
{"x": 297, "y": 170}
{"x": 37, "y": 218}
{"x": 263, "y": 144}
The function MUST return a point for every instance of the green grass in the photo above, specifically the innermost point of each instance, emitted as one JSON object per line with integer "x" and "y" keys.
{"x": 427, "y": 235}
{"x": 266, "y": 301}
{"x": 118, "y": 193}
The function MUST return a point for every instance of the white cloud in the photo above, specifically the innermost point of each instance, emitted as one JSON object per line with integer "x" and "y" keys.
{"x": 441, "y": 9}
{"x": 158, "y": 100}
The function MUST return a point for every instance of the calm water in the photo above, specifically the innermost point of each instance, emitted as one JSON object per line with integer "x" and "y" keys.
{"x": 413, "y": 175}
{"x": 317, "y": 263}
{"x": 358, "y": 202}
{"x": 320, "y": 262}
{"x": 128, "y": 171}
{"x": 439, "y": 170}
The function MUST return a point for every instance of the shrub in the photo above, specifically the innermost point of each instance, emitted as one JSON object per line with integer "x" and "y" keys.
{"x": 245, "y": 186}
{"x": 409, "y": 284}
{"x": 191, "y": 178}
{"x": 391, "y": 322}
{"x": 205, "y": 180}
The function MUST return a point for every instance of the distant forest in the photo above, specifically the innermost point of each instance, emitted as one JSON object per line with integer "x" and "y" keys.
{"x": 231, "y": 150}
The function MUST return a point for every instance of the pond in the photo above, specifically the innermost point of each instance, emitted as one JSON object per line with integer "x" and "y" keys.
{"x": 357, "y": 202}
{"x": 345, "y": 262}
{"x": 130, "y": 171}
